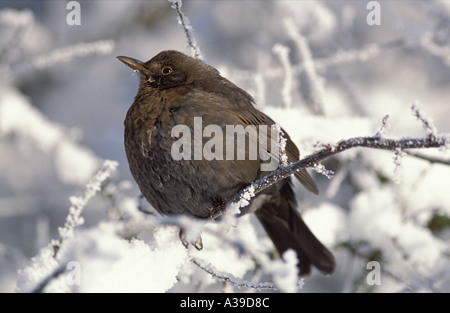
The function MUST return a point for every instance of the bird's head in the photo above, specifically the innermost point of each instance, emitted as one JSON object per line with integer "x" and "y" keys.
{"x": 170, "y": 69}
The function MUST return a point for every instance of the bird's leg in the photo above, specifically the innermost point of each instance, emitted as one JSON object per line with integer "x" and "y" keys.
{"x": 216, "y": 211}
{"x": 197, "y": 243}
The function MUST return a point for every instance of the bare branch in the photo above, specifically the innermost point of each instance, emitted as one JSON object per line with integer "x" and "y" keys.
{"x": 428, "y": 158}
{"x": 44, "y": 283}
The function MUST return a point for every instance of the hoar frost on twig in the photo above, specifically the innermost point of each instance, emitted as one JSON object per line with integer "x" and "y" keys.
{"x": 313, "y": 82}
{"x": 74, "y": 218}
{"x": 286, "y": 93}
{"x": 188, "y": 30}
{"x": 374, "y": 142}
{"x": 64, "y": 55}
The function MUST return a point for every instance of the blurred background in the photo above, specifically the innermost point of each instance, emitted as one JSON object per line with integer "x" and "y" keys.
{"x": 64, "y": 96}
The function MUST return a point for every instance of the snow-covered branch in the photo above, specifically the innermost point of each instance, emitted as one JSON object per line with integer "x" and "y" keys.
{"x": 312, "y": 84}
{"x": 184, "y": 22}
{"x": 374, "y": 142}
{"x": 74, "y": 218}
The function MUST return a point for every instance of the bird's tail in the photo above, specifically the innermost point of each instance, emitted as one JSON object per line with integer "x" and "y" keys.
{"x": 287, "y": 230}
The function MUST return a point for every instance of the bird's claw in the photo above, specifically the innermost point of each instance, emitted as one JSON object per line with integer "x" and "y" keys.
{"x": 197, "y": 243}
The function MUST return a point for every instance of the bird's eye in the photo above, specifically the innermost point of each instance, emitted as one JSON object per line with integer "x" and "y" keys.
{"x": 166, "y": 70}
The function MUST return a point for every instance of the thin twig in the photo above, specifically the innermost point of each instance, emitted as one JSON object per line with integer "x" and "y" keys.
{"x": 226, "y": 277}
{"x": 374, "y": 142}
{"x": 428, "y": 158}
{"x": 184, "y": 22}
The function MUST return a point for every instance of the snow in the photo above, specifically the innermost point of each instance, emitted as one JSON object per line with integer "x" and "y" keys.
{"x": 317, "y": 69}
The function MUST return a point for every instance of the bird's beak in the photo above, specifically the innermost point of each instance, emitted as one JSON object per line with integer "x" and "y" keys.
{"x": 136, "y": 65}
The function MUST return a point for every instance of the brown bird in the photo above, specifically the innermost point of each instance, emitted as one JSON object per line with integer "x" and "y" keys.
{"x": 177, "y": 90}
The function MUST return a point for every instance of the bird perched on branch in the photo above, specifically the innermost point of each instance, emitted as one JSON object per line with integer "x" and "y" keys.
{"x": 175, "y": 91}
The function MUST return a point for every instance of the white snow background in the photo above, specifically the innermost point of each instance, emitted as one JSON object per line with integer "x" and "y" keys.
{"x": 316, "y": 67}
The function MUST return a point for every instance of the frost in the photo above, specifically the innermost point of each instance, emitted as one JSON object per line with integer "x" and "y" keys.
{"x": 18, "y": 117}
{"x": 319, "y": 168}
{"x": 283, "y": 54}
{"x": 244, "y": 200}
{"x": 62, "y": 104}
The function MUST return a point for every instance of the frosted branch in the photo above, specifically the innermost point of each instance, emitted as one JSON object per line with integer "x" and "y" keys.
{"x": 19, "y": 22}
{"x": 228, "y": 278}
{"x": 319, "y": 168}
{"x": 427, "y": 122}
{"x": 313, "y": 82}
{"x": 398, "y": 157}
{"x": 188, "y": 30}
{"x": 331, "y": 150}
{"x": 237, "y": 282}
{"x": 384, "y": 127}
{"x": 74, "y": 218}
{"x": 283, "y": 54}
{"x": 64, "y": 55}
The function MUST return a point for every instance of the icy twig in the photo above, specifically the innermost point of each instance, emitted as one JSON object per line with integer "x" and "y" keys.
{"x": 235, "y": 208}
{"x": 319, "y": 168}
{"x": 283, "y": 54}
{"x": 188, "y": 30}
{"x": 74, "y": 218}
{"x": 314, "y": 86}
{"x": 384, "y": 127}
{"x": 19, "y": 22}
{"x": 427, "y": 122}
{"x": 398, "y": 156}
{"x": 64, "y": 55}
{"x": 237, "y": 282}
{"x": 331, "y": 150}
{"x": 226, "y": 277}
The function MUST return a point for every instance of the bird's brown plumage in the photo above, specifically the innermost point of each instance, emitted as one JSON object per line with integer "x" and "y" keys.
{"x": 175, "y": 90}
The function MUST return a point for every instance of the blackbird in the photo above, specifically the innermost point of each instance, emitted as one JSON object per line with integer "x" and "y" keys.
{"x": 175, "y": 90}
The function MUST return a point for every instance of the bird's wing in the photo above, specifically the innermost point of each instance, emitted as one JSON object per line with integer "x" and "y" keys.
{"x": 255, "y": 117}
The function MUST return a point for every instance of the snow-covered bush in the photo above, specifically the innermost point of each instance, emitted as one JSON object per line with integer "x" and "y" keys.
{"x": 72, "y": 222}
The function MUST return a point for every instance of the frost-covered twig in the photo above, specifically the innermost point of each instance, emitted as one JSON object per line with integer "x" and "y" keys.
{"x": 398, "y": 156}
{"x": 375, "y": 142}
{"x": 19, "y": 22}
{"x": 319, "y": 168}
{"x": 283, "y": 54}
{"x": 184, "y": 21}
{"x": 313, "y": 85}
{"x": 74, "y": 218}
{"x": 427, "y": 122}
{"x": 313, "y": 159}
{"x": 63, "y": 55}
{"x": 237, "y": 282}
{"x": 226, "y": 277}
{"x": 384, "y": 126}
